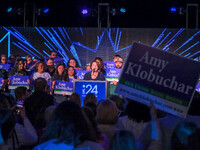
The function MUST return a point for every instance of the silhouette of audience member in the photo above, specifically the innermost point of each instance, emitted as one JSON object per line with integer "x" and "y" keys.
{"x": 123, "y": 140}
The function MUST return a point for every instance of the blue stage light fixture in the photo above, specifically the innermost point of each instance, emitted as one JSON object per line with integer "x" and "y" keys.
{"x": 173, "y": 9}
{"x": 84, "y": 11}
{"x": 46, "y": 10}
{"x": 122, "y": 10}
{"x": 9, "y": 9}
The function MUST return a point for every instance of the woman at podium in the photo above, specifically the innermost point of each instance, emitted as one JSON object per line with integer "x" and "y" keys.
{"x": 94, "y": 74}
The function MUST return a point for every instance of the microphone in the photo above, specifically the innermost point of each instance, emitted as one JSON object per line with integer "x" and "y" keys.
{"x": 93, "y": 70}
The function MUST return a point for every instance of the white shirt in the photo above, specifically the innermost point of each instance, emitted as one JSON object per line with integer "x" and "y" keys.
{"x": 44, "y": 75}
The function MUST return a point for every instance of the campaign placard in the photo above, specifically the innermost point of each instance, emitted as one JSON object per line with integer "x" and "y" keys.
{"x": 81, "y": 73}
{"x": 108, "y": 64}
{"x": 63, "y": 87}
{"x": 58, "y": 60}
{"x": 5, "y": 66}
{"x": 166, "y": 79}
{"x": 16, "y": 81}
{"x": 112, "y": 74}
{"x": 1, "y": 83}
{"x": 198, "y": 87}
{"x": 98, "y": 88}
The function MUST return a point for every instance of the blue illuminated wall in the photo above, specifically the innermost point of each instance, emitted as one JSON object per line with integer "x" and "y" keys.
{"x": 85, "y": 44}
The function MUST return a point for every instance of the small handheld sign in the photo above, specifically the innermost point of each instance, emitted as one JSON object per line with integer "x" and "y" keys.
{"x": 63, "y": 87}
{"x": 112, "y": 74}
{"x": 16, "y": 81}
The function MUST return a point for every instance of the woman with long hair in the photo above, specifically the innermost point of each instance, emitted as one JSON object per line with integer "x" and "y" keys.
{"x": 68, "y": 129}
{"x": 19, "y": 68}
{"x": 60, "y": 73}
{"x": 71, "y": 74}
{"x": 99, "y": 61}
{"x": 73, "y": 62}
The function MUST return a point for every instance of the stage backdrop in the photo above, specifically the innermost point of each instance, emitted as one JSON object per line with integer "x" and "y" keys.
{"x": 85, "y": 44}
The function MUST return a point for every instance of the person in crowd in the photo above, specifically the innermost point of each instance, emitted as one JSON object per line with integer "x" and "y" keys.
{"x": 119, "y": 103}
{"x": 107, "y": 117}
{"x": 123, "y": 139}
{"x": 35, "y": 59}
{"x": 87, "y": 67}
{"x": 119, "y": 63}
{"x": 94, "y": 74}
{"x": 17, "y": 57}
{"x": 19, "y": 68}
{"x": 3, "y": 59}
{"x": 68, "y": 129}
{"x": 21, "y": 93}
{"x": 48, "y": 114}
{"x": 169, "y": 123}
{"x": 40, "y": 72}
{"x": 53, "y": 54}
{"x": 4, "y": 75}
{"x": 12, "y": 59}
{"x": 115, "y": 57}
{"x": 50, "y": 66}
{"x": 136, "y": 119}
{"x": 60, "y": 73}
{"x": 16, "y": 134}
{"x": 92, "y": 107}
{"x": 99, "y": 61}
{"x": 76, "y": 98}
{"x": 37, "y": 103}
{"x": 71, "y": 75}
{"x": 100, "y": 138}
{"x": 30, "y": 63}
{"x": 90, "y": 98}
{"x": 73, "y": 62}
{"x": 182, "y": 136}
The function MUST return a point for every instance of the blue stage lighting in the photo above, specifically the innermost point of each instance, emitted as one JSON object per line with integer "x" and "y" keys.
{"x": 9, "y": 9}
{"x": 173, "y": 9}
{"x": 123, "y": 10}
{"x": 46, "y": 10}
{"x": 84, "y": 11}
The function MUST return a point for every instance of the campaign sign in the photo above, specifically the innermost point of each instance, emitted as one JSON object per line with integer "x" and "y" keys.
{"x": 166, "y": 79}
{"x": 63, "y": 87}
{"x": 112, "y": 74}
{"x": 58, "y": 60}
{"x": 109, "y": 64}
{"x": 5, "y": 66}
{"x": 98, "y": 88}
{"x": 16, "y": 81}
{"x": 198, "y": 87}
{"x": 50, "y": 85}
{"x": 81, "y": 73}
{"x": 1, "y": 83}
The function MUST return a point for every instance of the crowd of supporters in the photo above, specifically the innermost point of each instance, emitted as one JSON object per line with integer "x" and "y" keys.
{"x": 37, "y": 120}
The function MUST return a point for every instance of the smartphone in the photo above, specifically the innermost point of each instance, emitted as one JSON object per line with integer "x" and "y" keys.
{"x": 19, "y": 106}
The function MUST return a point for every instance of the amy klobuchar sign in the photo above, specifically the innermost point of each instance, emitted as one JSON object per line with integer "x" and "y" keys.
{"x": 152, "y": 75}
{"x": 16, "y": 81}
{"x": 63, "y": 87}
{"x": 112, "y": 74}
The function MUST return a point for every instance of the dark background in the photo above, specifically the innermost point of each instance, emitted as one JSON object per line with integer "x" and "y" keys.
{"x": 67, "y": 13}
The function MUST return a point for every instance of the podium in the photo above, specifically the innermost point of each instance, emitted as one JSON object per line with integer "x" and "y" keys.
{"x": 98, "y": 88}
